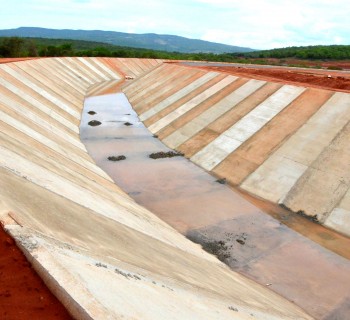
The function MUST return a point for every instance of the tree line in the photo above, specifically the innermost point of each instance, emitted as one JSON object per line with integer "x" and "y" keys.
{"x": 40, "y": 47}
{"x": 332, "y": 52}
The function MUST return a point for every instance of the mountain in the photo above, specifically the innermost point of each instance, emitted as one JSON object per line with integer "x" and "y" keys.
{"x": 148, "y": 40}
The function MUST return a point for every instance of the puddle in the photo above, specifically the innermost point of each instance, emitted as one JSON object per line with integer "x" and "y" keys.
{"x": 280, "y": 249}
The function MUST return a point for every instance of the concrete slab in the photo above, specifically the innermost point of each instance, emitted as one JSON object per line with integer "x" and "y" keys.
{"x": 299, "y": 151}
{"x": 191, "y": 104}
{"x": 217, "y": 110}
{"x": 232, "y": 138}
{"x": 181, "y": 93}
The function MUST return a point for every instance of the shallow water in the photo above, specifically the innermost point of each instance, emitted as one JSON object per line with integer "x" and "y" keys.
{"x": 242, "y": 234}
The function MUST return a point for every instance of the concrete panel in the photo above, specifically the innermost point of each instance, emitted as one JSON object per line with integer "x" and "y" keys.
{"x": 227, "y": 120}
{"x": 246, "y": 127}
{"x": 339, "y": 220}
{"x": 166, "y": 90}
{"x": 71, "y": 69}
{"x": 178, "y": 95}
{"x": 63, "y": 105}
{"x": 41, "y": 106}
{"x": 44, "y": 79}
{"x": 110, "y": 72}
{"x": 81, "y": 69}
{"x": 191, "y": 104}
{"x": 300, "y": 150}
{"x": 192, "y": 95}
{"x": 331, "y": 170}
{"x": 53, "y": 68}
{"x": 210, "y": 115}
{"x": 92, "y": 68}
{"x": 258, "y": 148}
{"x": 63, "y": 150}
{"x": 18, "y": 110}
{"x": 143, "y": 87}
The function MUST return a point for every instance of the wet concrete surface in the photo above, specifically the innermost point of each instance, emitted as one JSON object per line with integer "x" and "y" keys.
{"x": 241, "y": 233}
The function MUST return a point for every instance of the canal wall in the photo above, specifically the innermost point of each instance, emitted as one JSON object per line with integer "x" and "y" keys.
{"x": 101, "y": 254}
{"x": 283, "y": 143}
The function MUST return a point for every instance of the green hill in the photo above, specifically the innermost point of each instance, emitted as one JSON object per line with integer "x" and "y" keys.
{"x": 151, "y": 41}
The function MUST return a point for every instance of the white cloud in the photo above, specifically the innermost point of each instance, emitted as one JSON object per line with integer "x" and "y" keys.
{"x": 250, "y": 23}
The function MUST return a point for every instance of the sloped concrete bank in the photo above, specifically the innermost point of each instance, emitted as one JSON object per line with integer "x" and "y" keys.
{"x": 283, "y": 143}
{"x": 103, "y": 255}
{"x": 210, "y": 213}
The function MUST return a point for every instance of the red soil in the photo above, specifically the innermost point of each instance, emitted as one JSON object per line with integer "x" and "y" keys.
{"x": 23, "y": 295}
{"x": 323, "y": 79}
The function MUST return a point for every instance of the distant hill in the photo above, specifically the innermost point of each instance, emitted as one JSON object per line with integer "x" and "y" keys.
{"x": 152, "y": 41}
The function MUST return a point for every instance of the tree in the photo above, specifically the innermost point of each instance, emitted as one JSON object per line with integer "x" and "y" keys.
{"x": 32, "y": 49}
{"x": 11, "y": 47}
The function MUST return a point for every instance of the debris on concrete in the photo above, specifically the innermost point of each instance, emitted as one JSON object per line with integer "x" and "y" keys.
{"x": 116, "y": 158}
{"x": 169, "y": 154}
{"x": 94, "y": 123}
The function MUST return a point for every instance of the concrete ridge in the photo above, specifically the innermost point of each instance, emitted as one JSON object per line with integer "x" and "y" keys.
{"x": 98, "y": 250}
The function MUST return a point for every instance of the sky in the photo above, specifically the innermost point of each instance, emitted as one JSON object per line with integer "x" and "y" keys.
{"x": 246, "y": 23}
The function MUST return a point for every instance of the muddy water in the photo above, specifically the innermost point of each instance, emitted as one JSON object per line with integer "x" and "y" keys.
{"x": 239, "y": 232}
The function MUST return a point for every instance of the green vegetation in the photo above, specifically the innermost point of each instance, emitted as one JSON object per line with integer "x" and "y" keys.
{"x": 334, "y": 52}
{"x": 40, "y": 47}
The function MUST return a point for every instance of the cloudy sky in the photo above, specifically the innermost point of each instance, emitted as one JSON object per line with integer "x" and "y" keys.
{"x": 249, "y": 23}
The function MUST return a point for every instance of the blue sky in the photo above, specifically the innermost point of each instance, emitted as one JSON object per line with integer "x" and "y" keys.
{"x": 249, "y": 23}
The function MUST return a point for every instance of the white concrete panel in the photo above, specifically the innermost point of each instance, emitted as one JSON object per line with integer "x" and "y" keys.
{"x": 40, "y": 122}
{"x": 64, "y": 75}
{"x": 274, "y": 179}
{"x": 216, "y": 111}
{"x": 300, "y": 150}
{"x": 214, "y": 153}
{"x": 318, "y": 132}
{"x": 67, "y": 108}
{"x": 143, "y": 87}
{"x": 68, "y": 64}
{"x": 110, "y": 71}
{"x": 38, "y": 105}
{"x": 339, "y": 220}
{"x": 163, "y": 122}
{"x": 93, "y": 68}
{"x": 178, "y": 95}
{"x": 83, "y": 71}
{"x": 51, "y": 144}
{"x": 51, "y": 82}
{"x": 247, "y": 126}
